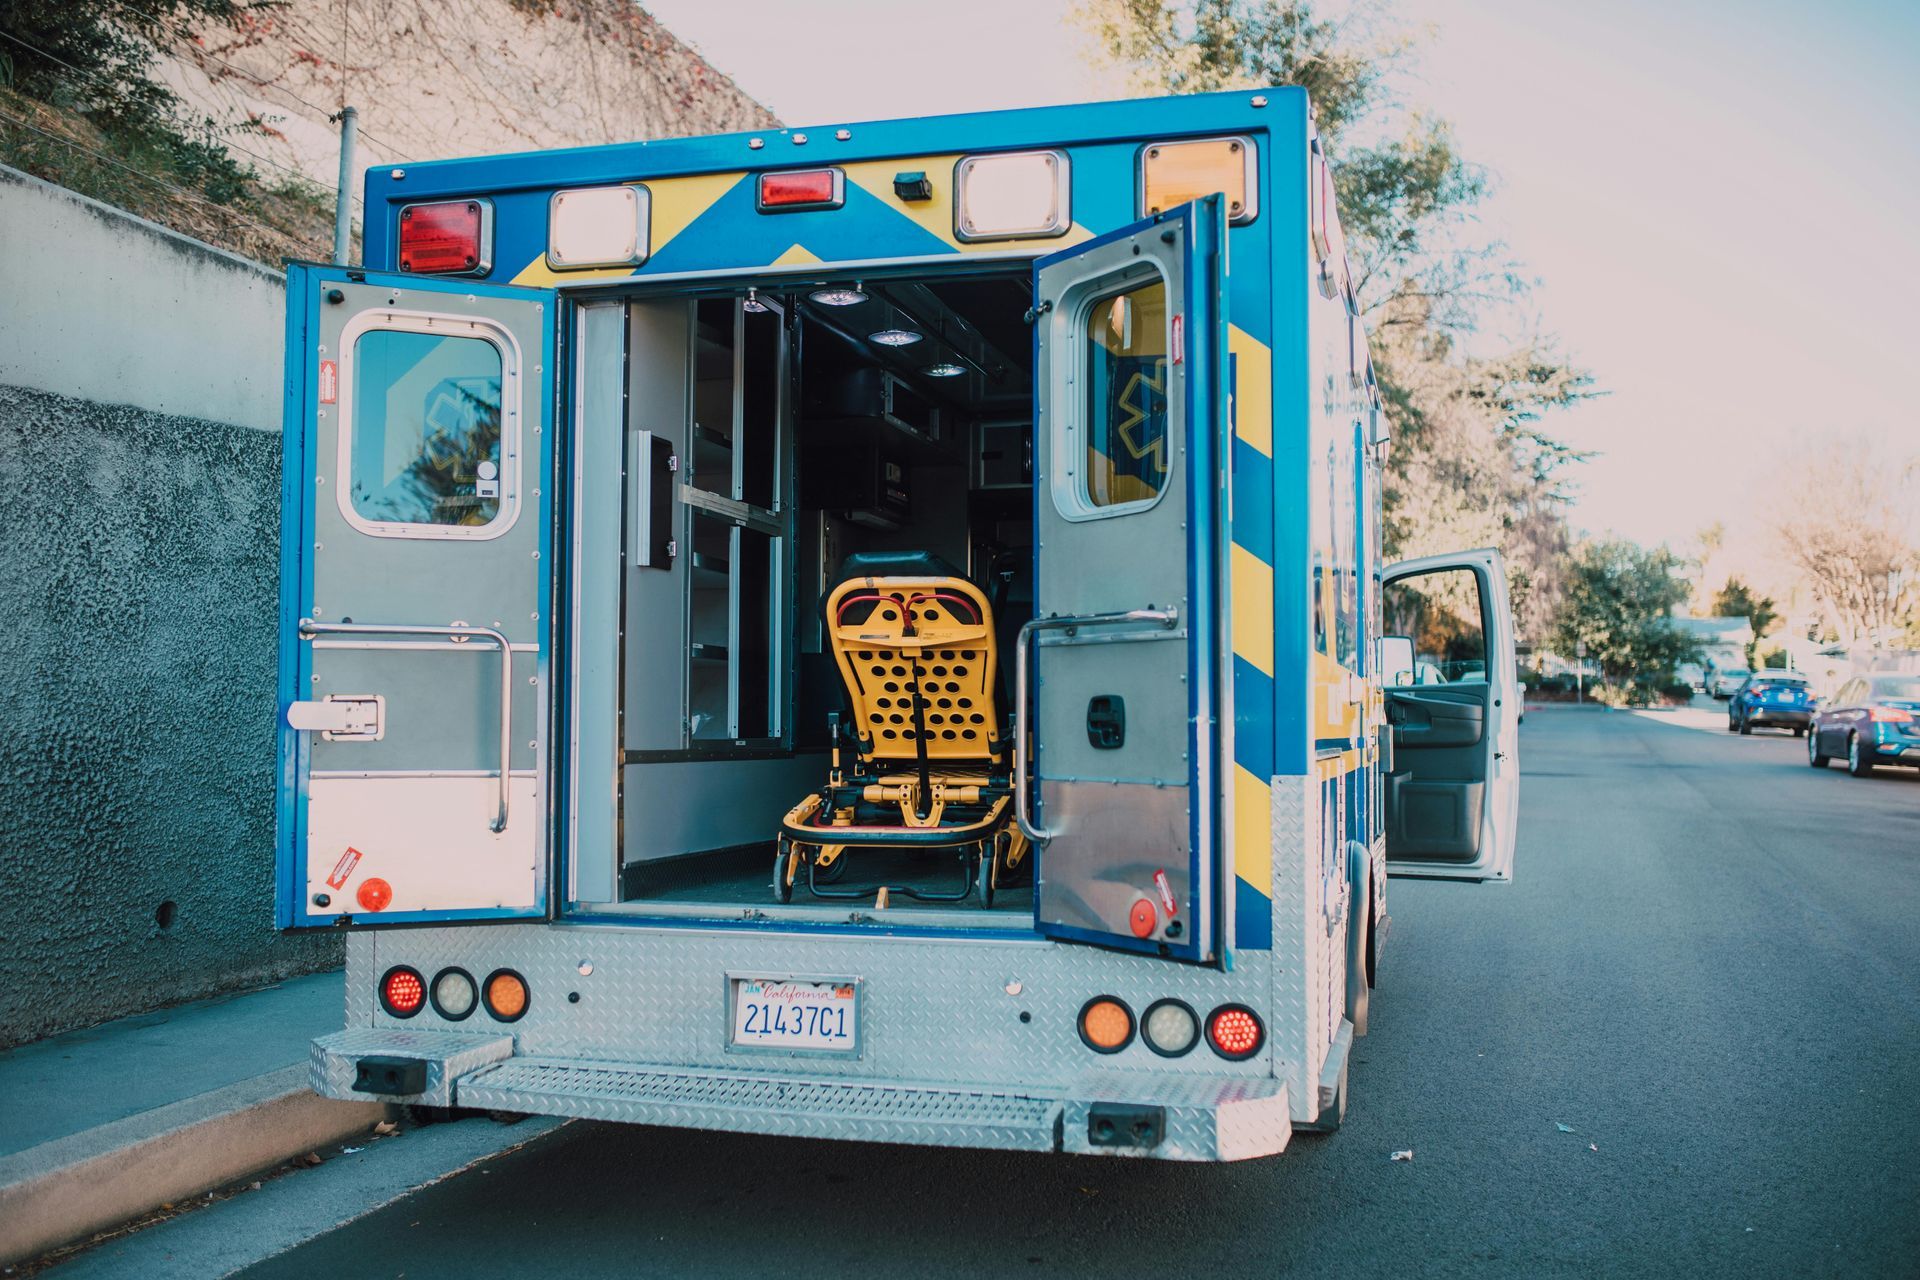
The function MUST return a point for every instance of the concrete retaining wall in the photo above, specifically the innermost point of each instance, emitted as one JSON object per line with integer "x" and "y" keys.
{"x": 139, "y": 554}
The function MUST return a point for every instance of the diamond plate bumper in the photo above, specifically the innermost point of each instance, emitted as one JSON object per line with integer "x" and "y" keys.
{"x": 448, "y": 1055}
{"x": 1206, "y": 1118}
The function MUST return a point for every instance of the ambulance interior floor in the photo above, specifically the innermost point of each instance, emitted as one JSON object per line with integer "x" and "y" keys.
{"x": 745, "y": 876}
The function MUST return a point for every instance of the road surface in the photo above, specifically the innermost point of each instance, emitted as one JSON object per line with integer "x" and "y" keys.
{"x": 1685, "y": 1041}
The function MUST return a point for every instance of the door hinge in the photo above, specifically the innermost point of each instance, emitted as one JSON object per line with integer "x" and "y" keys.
{"x": 673, "y": 462}
{"x": 673, "y": 548}
{"x": 1038, "y": 309}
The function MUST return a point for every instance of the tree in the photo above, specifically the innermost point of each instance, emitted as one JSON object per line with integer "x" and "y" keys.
{"x": 1856, "y": 545}
{"x": 1737, "y": 600}
{"x": 1619, "y": 603}
{"x": 1471, "y": 465}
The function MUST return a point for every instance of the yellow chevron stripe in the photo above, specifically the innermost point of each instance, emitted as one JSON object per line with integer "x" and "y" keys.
{"x": 1252, "y": 389}
{"x": 1253, "y": 830}
{"x": 935, "y": 216}
{"x": 1252, "y": 608}
{"x": 677, "y": 203}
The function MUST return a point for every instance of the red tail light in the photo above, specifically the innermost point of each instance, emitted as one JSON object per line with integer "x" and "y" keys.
{"x": 1891, "y": 715}
{"x": 448, "y": 238}
{"x": 1235, "y": 1032}
{"x": 802, "y": 189}
{"x": 403, "y": 991}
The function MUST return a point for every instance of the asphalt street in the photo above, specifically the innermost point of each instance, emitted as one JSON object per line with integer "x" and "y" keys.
{"x": 1685, "y": 1041}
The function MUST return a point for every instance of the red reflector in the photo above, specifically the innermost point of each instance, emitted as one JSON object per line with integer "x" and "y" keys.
{"x": 1234, "y": 1031}
{"x": 1141, "y": 918}
{"x": 439, "y": 238}
{"x": 374, "y": 894}
{"x": 802, "y": 189}
{"x": 403, "y": 992}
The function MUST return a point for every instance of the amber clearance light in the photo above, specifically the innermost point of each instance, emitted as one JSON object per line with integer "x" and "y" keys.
{"x": 506, "y": 995}
{"x": 1106, "y": 1024}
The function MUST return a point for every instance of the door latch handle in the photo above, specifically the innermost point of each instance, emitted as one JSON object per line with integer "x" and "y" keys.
{"x": 342, "y": 717}
{"x": 1107, "y": 721}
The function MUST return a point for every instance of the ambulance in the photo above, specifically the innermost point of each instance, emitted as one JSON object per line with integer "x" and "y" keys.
{"x": 873, "y": 632}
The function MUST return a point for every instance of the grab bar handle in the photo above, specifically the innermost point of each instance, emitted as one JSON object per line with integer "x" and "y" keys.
{"x": 309, "y": 629}
{"x": 1022, "y": 811}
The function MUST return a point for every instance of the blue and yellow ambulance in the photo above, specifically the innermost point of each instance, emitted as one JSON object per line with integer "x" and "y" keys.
{"x": 871, "y": 632}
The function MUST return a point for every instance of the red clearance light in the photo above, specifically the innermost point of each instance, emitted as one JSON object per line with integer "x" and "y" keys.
{"x": 1235, "y": 1031}
{"x": 802, "y": 189}
{"x": 444, "y": 239}
{"x": 1891, "y": 715}
{"x": 403, "y": 991}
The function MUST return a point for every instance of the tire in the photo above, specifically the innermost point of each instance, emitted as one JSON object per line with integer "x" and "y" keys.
{"x": 1731, "y": 726}
{"x": 1800, "y": 732}
{"x": 782, "y": 887}
{"x": 1859, "y": 758}
{"x": 1746, "y": 729}
{"x": 1814, "y": 757}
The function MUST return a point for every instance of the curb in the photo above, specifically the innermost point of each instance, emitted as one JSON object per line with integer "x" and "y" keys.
{"x": 63, "y": 1190}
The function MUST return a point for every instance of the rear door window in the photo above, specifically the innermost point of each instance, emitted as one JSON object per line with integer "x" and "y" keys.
{"x": 425, "y": 454}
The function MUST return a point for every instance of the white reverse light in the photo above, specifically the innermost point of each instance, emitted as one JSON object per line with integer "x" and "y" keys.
{"x": 1018, "y": 194}
{"x": 598, "y": 227}
{"x": 454, "y": 995}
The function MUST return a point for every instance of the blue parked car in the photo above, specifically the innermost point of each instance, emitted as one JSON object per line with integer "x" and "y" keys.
{"x": 1778, "y": 698}
{"x": 1870, "y": 720}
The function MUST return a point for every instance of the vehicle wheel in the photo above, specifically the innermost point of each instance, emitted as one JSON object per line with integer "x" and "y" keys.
{"x": 1799, "y": 733}
{"x": 1731, "y": 726}
{"x": 1746, "y": 729}
{"x": 784, "y": 855}
{"x": 1858, "y": 762}
{"x": 1814, "y": 757}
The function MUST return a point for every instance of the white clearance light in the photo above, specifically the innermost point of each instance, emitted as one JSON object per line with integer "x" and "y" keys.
{"x": 598, "y": 227}
{"x": 1012, "y": 196}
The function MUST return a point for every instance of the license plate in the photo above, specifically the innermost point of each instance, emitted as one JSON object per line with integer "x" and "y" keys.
{"x": 788, "y": 1016}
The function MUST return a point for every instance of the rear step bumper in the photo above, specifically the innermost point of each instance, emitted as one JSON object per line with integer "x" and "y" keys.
{"x": 1102, "y": 1113}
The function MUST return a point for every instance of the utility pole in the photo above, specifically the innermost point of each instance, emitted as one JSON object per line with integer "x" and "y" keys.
{"x": 343, "y": 199}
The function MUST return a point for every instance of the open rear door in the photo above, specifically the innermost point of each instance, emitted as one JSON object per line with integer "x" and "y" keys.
{"x": 1451, "y": 687}
{"x": 415, "y": 626}
{"x": 1117, "y": 674}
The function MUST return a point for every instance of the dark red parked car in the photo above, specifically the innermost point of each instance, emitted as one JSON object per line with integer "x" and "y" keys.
{"x": 1870, "y": 720}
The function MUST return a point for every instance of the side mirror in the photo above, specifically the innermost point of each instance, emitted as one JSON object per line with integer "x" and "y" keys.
{"x": 1396, "y": 661}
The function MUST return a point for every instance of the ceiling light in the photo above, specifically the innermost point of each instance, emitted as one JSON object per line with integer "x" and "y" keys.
{"x": 895, "y": 337}
{"x": 753, "y": 302}
{"x": 945, "y": 370}
{"x": 840, "y": 296}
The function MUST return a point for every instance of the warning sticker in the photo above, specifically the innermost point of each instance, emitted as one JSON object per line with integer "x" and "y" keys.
{"x": 1166, "y": 893}
{"x": 329, "y": 382}
{"x": 344, "y": 868}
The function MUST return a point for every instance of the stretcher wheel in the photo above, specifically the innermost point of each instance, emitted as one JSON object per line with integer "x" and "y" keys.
{"x": 783, "y": 857}
{"x": 987, "y": 863}
{"x": 832, "y": 872}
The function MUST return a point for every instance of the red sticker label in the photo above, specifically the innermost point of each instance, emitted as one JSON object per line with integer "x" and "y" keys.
{"x": 1179, "y": 338}
{"x": 344, "y": 868}
{"x": 1166, "y": 893}
{"x": 330, "y": 381}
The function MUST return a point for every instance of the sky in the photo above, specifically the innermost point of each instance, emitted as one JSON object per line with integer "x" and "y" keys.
{"x": 1716, "y": 199}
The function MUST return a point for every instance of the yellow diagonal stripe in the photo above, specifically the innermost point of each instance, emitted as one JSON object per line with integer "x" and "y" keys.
{"x": 935, "y": 216}
{"x": 1252, "y": 389}
{"x": 1252, "y": 830}
{"x": 1252, "y": 609}
{"x": 677, "y": 202}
